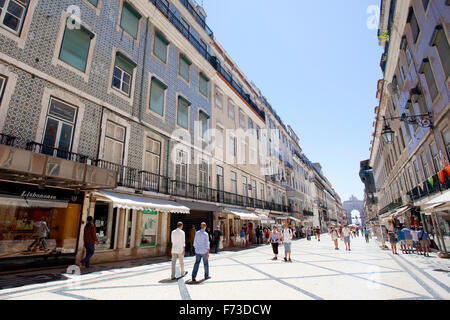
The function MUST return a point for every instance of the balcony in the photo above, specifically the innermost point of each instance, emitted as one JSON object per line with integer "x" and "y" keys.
{"x": 425, "y": 189}
{"x": 7, "y": 140}
{"x": 55, "y": 152}
{"x": 197, "y": 17}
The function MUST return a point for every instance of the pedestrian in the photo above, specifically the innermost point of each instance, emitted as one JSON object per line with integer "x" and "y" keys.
{"x": 90, "y": 240}
{"x": 210, "y": 236}
{"x": 275, "y": 240}
{"x": 401, "y": 239}
{"x": 415, "y": 238}
{"x": 393, "y": 241}
{"x": 318, "y": 233}
{"x": 346, "y": 235}
{"x": 408, "y": 240}
{"x": 242, "y": 236}
{"x": 267, "y": 236}
{"x": 191, "y": 237}
{"x": 216, "y": 237}
{"x": 424, "y": 241}
{"x": 335, "y": 236}
{"x": 202, "y": 248}
{"x": 232, "y": 236}
{"x": 178, "y": 238}
{"x": 366, "y": 234}
{"x": 286, "y": 237}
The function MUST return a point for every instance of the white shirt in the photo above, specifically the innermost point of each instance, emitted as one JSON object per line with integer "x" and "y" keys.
{"x": 178, "y": 241}
{"x": 346, "y": 232}
{"x": 287, "y": 233}
{"x": 415, "y": 235}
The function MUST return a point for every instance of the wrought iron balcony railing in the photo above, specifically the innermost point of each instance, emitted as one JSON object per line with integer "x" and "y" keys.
{"x": 197, "y": 17}
{"x": 430, "y": 187}
{"x": 7, "y": 140}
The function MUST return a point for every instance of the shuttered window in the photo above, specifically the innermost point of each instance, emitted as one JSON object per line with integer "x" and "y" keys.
{"x": 160, "y": 47}
{"x": 157, "y": 96}
{"x": 183, "y": 113}
{"x": 130, "y": 20}
{"x": 114, "y": 143}
{"x": 231, "y": 109}
{"x": 203, "y": 84}
{"x": 440, "y": 41}
{"x": 415, "y": 29}
{"x": 75, "y": 47}
{"x": 152, "y": 155}
{"x": 446, "y": 138}
{"x": 94, "y": 2}
{"x": 203, "y": 118}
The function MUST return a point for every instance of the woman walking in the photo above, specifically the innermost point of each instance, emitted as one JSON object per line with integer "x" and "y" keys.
{"x": 275, "y": 240}
{"x": 393, "y": 241}
{"x": 334, "y": 237}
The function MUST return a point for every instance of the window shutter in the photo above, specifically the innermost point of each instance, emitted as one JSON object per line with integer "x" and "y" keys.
{"x": 183, "y": 113}
{"x": 160, "y": 47}
{"x": 130, "y": 20}
{"x": 184, "y": 67}
{"x": 203, "y": 85}
{"x": 75, "y": 47}
{"x": 157, "y": 91}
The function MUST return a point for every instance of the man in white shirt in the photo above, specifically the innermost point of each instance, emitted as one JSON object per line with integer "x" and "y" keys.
{"x": 346, "y": 233}
{"x": 287, "y": 236}
{"x": 178, "y": 249}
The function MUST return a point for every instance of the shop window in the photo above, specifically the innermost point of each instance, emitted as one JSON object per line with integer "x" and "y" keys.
{"x": 129, "y": 222}
{"x": 123, "y": 74}
{"x": 59, "y": 128}
{"x": 130, "y": 20}
{"x": 183, "y": 113}
{"x": 105, "y": 219}
{"x": 149, "y": 228}
{"x": 114, "y": 142}
{"x": 184, "y": 66}
{"x": 12, "y": 14}
{"x": 157, "y": 96}
{"x": 75, "y": 46}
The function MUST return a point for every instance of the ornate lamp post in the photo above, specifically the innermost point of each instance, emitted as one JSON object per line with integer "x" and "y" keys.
{"x": 423, "y": 120}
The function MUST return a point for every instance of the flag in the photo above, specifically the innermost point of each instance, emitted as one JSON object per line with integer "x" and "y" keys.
{"x": 441, "y": 176}
{"x": 430, "y": 181}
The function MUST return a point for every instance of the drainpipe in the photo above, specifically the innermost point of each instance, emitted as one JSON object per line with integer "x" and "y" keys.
{"x": 141, "y": 106}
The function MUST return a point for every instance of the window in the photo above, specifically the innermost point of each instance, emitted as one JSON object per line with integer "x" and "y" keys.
{"x": 2, "y": 87}
{"x": 254, "y": 191}
{"x": 219, "y": 138}
{"x": 261, "y": 186}
{"x": 408, "y": 132}
{"x": 181, "y": 170}
{"x": 105, "y": 218}
{"x": 12, "y": 14}
{"x": 203, "y": 118}
{"x": 114, "y": 142}
{"x": 401, "y": 138}
{"x": 183, "y": 113}
{"x": 244, "y": 187}
{"x": 425, "y": 4}
{"x": 157, "y": 96}
{"x": 203, "y": 174}
{"x": 59, "y": 128}
{"x": 219, "y": 99}
{"x": 408, "y": 55}
{"x": 93, "y": 2}
{"x": 186, "y": 26}
{"x": 250, "y": 125}
{"x": 232, "y": 146}
{"x": 419, "y": 177}
{"x": 426, "y": 70}
{"x": 219, "y": 175}
{"x": 130, "y": 20}
{"x": 233, "y": 178}
{"x": 402, "y": 73}
{"x": 203, "y": 84}
{"x": 184, "y": 67}
{"x": 439, "y": 40}
{"x": 411, "y": 181}
{"x": 152, "y": 155}
{"x": 75, "y": 47}
{"x": 123, "y": 73}
{"x": 160, "y": 47}
{"x": 149, "y": 228}
{"x": 230, "y": 109}
{"x": 426, "y": 171}
{"x": 446, "y": 139}
{"x": 435, "y": 156}
{"x": 422, "y": 104}
{"x": 413, "y": 24}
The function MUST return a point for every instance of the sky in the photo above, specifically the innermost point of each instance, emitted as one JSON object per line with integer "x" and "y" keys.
{"x": 317, "y": 63}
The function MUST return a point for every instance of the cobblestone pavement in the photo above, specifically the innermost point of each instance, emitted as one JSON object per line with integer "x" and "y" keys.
{"x": 318, "y": 272}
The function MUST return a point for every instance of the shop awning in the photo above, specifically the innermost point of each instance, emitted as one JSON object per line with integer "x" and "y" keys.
{"x": 400, "y": 211}
{"x": 243, "y": 214}
{"x": 443, "y": 198}
{"x": 31, "y": 203}
{"x": 279, "y": 217}
{"x": 199, "y": 206}
{"x": 125, "y": 201}
{"x": 295, "y": 219}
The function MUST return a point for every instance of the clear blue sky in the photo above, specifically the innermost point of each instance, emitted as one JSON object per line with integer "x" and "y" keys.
{"x": 317, "y": 63}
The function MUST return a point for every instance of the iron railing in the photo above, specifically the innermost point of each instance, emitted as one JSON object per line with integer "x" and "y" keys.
{"x": 428, "y": 188}
{"x": 197, "y": 17}
{"x": 55, "y": 152}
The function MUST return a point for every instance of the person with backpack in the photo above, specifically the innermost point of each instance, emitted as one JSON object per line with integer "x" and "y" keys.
{"x": 216, "y": 235}
{"x": 286, "y": 237}
{"x": 275, "y": 241}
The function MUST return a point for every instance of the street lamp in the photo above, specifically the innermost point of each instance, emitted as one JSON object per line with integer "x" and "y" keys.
{"x": 423, "y": 120}
{"x": 387, "y": 133}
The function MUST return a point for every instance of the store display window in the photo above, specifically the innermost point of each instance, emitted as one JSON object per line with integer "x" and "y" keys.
{"x": 149, "y": 228}
{"x": 105, "y": 218}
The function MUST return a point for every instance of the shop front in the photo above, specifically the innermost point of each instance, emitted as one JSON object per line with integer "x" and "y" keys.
{"x": 244, "y": 220}
{"x": 130, "y": 226}
{"x": 38, "y": 226}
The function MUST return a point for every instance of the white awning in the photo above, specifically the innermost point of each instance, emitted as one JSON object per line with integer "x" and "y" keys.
{"x": 443, "y": 198}
{"x": 243, "y": 214}
{"x": 400, "y": 211}
{"x": 279, "y": 217}
{"x": 125, "y": 201}
{"x": 295, "y": 219}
